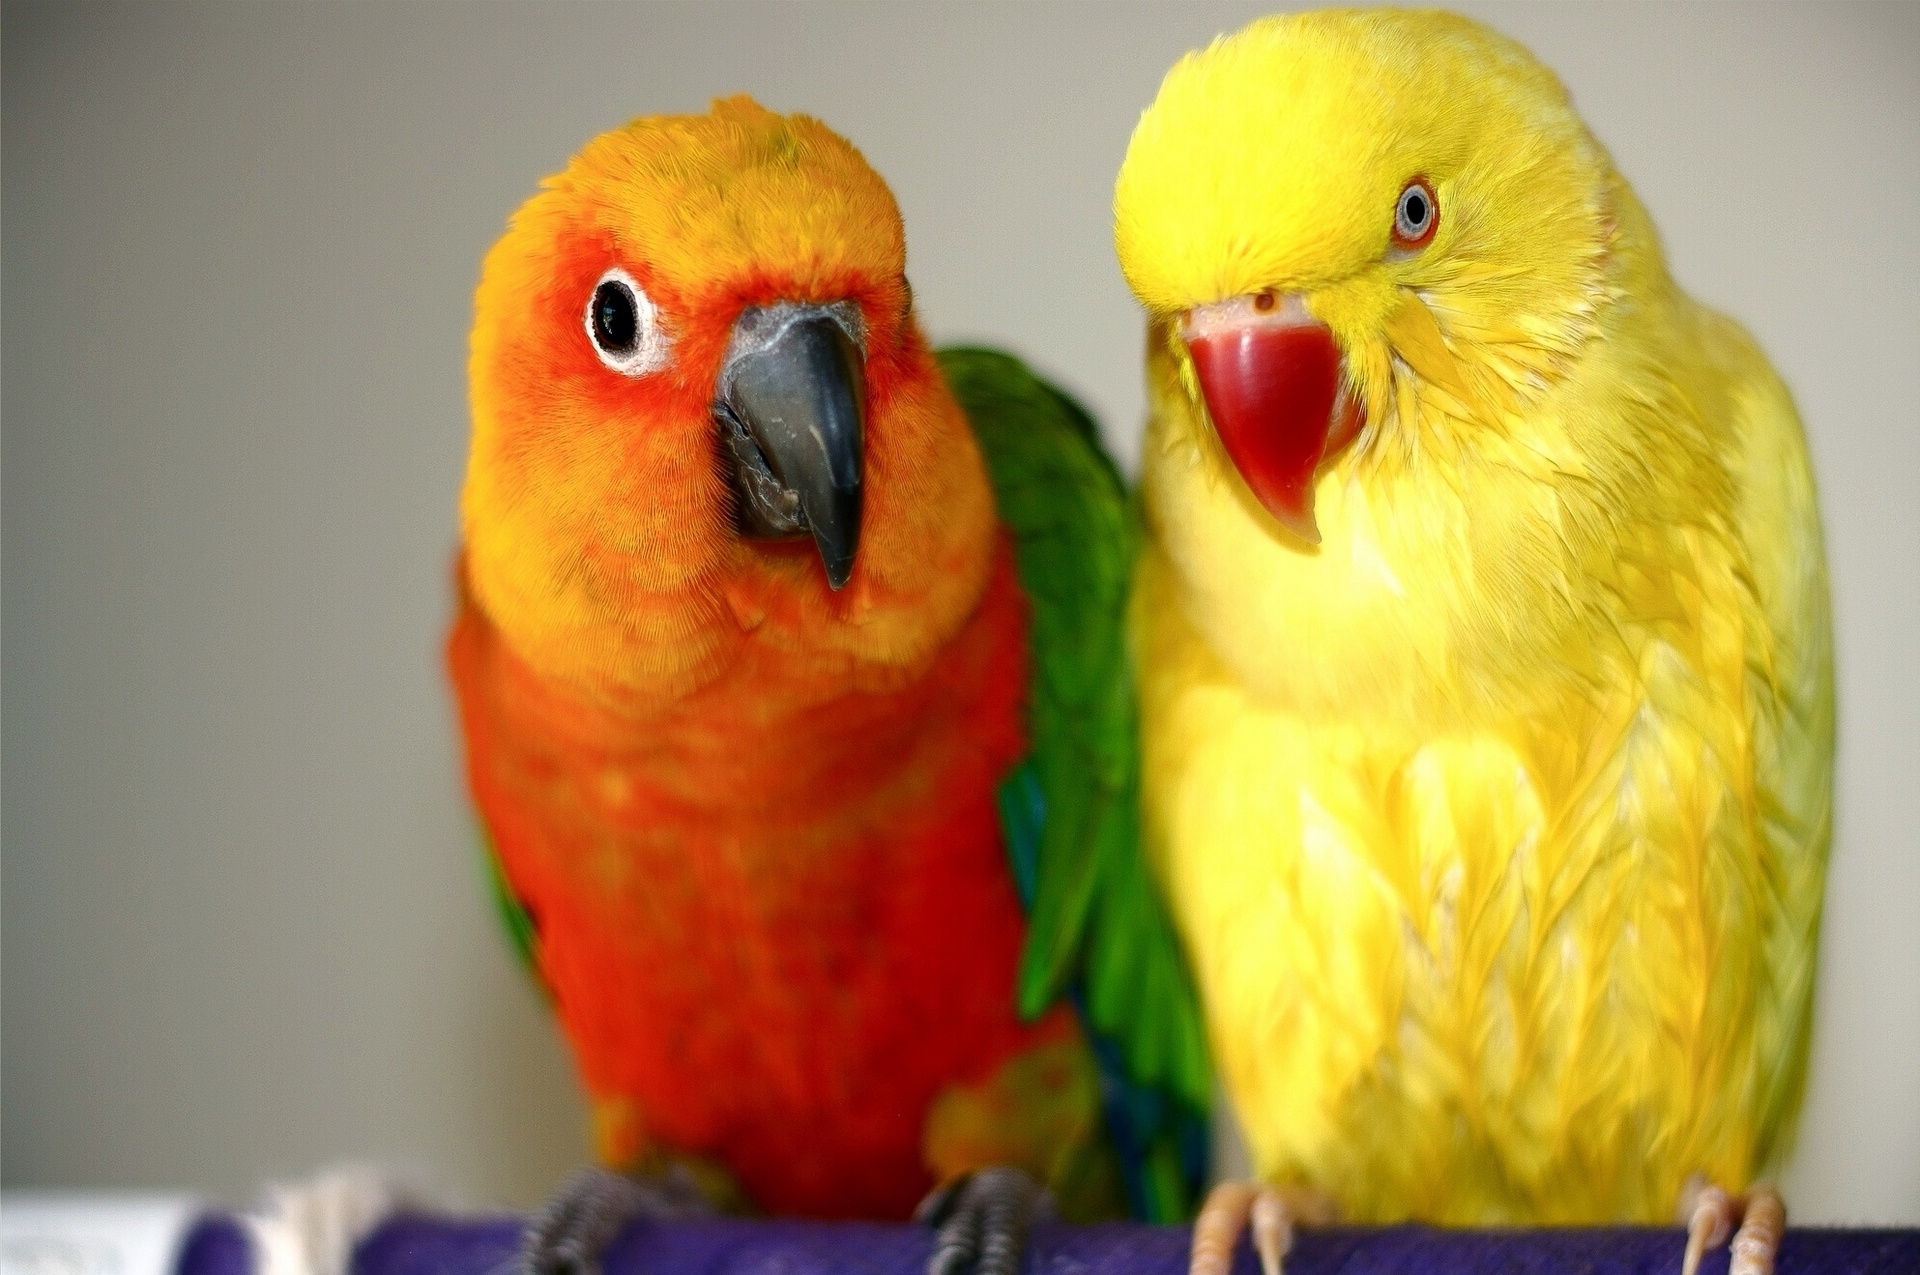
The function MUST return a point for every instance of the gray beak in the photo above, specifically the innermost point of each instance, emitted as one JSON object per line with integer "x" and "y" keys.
{"x": 791, "y": 410}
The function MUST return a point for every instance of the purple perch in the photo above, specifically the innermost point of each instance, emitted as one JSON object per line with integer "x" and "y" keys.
{"x": 437, "y": 1246}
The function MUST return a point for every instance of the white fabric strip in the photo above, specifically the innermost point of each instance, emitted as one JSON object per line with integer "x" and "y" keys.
{"x": 312, "y": 1228}
{"x": 93, "y": 1232}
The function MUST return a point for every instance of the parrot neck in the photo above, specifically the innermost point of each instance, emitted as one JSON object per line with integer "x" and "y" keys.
{"x": 812, "y": 736}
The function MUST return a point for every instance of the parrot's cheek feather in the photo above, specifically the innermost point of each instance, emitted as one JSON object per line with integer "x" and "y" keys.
{"x": 1273, "y": 393}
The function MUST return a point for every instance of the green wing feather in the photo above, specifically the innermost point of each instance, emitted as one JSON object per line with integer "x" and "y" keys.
{"x": 1097, "y": 928}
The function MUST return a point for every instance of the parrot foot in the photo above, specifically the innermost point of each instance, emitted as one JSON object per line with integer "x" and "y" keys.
{"x": 574, "y": 1228}
{"x": 1710, "y": 1215}
{"x": 1272, "y": 1211}
{"x": 983, "y": 1220}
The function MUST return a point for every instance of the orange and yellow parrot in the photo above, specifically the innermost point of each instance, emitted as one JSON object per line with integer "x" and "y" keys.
{"x": 790, "y": 662}
{"x": 1484, "y": 650}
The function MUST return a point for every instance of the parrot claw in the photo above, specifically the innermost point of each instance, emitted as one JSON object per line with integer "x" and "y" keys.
{"x": 1272, "y": 1211}
{"x": 1710, "y": 1215}
{"x": 574, "y": 1229}
{"x": 983, "y": 1220}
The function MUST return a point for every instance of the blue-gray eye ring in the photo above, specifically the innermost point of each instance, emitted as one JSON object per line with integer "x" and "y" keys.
{"x": 1416, "y": 214}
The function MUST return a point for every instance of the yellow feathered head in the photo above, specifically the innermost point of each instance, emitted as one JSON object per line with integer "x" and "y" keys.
{"x": 1370, "y": 232}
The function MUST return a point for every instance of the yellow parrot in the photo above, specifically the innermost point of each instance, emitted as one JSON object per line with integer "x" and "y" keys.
{"x": 1484, "y": 651}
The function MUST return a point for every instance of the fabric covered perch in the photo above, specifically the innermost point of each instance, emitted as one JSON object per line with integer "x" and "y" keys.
{"x": 436, "y": 1246}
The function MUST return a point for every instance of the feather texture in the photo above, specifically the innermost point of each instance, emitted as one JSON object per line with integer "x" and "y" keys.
{"x": 1096, "y": 926}
{"x": 745, "y": 825}
{"x": 1496, "y": 825}
{"x": 748, "y": 829}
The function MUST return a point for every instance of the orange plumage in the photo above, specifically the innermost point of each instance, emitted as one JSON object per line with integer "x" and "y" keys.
{"x": 751, "y": 818}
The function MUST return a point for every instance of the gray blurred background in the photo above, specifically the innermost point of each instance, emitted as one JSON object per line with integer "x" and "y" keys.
{"x": 244, "y": 929}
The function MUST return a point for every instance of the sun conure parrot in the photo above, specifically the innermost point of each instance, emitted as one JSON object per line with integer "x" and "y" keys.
{"x": 1484, "y": 650}
{"x": 790, "y": 662}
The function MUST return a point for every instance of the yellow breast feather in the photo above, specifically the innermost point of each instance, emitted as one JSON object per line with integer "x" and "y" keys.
{"x": 1495, "y": 822}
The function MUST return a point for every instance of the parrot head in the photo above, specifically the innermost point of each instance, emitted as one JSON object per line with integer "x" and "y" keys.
{"x": 701, "y": 406}
{"x": 1308, "y": 203}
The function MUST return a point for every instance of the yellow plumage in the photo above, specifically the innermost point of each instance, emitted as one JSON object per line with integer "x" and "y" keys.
{"x": 1495, "y": 825}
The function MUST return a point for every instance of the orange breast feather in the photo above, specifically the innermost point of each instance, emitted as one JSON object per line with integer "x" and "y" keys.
{"x": 776, "y": 917}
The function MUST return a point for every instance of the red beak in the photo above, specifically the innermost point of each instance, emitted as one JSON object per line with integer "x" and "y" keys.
{"x": 1271, "y": 378}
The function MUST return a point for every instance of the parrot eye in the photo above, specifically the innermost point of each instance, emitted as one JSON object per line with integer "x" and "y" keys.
{"x": 1415, "y": 215}
{"x": 624, "y": 327}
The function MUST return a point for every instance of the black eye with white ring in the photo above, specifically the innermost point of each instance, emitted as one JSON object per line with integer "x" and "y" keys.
{"x": 1416, "y": 214}
{"x": 624, "y": 326}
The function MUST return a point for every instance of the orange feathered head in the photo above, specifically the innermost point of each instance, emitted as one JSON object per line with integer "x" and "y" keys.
{"x": 704, "y": 419}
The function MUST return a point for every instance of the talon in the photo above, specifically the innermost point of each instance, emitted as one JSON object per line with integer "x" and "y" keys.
{"x": 938, "y": 1204}
{"x": 1218, "y": 1228}
{"x": 1272, "y": 1211}
{"x": 984, "y": 1221}
{"x": 1711, "y": 1215}
{"x": 1272, "y": 1229}
{"x": 1757, "y": 1242}
{"x": 952, "y": 1253}
{"x": 585, "y": 1216}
